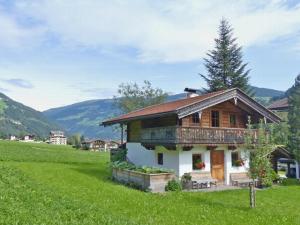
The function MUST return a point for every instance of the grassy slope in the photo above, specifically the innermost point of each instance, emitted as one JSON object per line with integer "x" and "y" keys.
{"x": 42, "y": 184}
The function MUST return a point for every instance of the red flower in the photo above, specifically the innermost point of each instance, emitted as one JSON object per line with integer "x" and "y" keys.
{"x": 200, "y": 165}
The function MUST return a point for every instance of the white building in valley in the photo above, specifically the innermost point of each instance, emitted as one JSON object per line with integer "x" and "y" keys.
{"x": 57, "y": 138}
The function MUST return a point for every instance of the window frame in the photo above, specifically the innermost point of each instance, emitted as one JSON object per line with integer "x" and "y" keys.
{"x": 160, "y": 158}
{"x": 231, "y": 115}
{"x": 233, "y": 162}
{"x": 196, "y": 118}
{"x": 215, "y": 120}
{"x": 193, "y": 163}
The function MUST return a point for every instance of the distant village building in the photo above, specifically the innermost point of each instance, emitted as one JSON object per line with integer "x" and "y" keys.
{"x": 99, "y": 145}
{"x": 57, "y": 138}
{"x": 112, "y": 145}
{"x": 28, "y": 138}
{"x": 12, "y": 138}
{"x": 95, "y": 145}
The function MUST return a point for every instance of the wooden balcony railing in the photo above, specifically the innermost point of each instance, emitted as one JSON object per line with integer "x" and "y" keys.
{"x": 194, "y": 135}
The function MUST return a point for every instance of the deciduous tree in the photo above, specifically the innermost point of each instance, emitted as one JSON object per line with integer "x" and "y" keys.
{"x": 132, "y": 96}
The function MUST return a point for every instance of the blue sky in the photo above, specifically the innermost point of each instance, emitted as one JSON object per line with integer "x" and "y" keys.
{"x": 54, "y": 53}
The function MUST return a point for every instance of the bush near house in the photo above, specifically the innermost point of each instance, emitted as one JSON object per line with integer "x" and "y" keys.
{"x": 118, "y": 155}
{"x": 173, "y": 185}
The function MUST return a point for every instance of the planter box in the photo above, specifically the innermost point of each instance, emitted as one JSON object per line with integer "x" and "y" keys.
{"x": 151, "y": 182}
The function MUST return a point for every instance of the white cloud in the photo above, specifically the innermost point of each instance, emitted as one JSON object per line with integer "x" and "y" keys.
{"x": 13, "y": 34}
{"x": 169, "y": 31}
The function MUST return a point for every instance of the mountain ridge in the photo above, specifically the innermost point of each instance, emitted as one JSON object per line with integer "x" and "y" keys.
{"x": 19, "y": 119}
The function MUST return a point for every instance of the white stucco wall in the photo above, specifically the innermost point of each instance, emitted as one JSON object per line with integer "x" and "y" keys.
{"x": 233, "y": 169}
{"x": 181, "y": 161}
{"x": 139, "y": 155}
{"x": 186, "y": 160}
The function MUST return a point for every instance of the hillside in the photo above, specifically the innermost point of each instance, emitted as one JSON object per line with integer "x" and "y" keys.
{"x": 84, "y": 117}
{"x": 266, "y": 92}
{"x": 18, "y": 119}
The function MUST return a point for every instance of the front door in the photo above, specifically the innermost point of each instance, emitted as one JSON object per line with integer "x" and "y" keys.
{"x": 217, "y": 164}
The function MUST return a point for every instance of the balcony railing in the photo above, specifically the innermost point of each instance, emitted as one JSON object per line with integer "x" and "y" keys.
{"x": 194, "y": 135}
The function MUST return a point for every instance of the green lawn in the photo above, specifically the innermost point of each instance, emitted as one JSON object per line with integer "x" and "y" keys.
{"x": 42, "y": 184}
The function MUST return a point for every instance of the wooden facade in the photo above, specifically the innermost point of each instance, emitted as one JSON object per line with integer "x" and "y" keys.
{"x": 224, "y": 123}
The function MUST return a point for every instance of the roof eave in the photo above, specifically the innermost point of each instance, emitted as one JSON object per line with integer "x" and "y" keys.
{"x": 126, "y": 120}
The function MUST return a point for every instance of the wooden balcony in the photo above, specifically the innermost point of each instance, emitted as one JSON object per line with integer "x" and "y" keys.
{"x": 194, "y": 135}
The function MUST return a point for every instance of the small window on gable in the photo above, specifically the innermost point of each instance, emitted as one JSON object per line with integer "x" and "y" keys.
{"x": 232, "y": 120}
{"x": 196, "y": 118}
{"x": 160, "y": 158}
{"x": 198, "y": 163}
{"x": 215, "y": 118}
{"x": 236, "y": 159}
{"x": 180, "y": 122}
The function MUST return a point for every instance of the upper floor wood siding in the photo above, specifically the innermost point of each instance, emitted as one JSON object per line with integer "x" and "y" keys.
{"x": 230, "y": 116}
{"x": 226, "y": 110}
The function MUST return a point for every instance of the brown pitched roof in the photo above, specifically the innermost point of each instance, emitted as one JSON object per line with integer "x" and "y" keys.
{"x": 280, "y": 104}
{"x": 163, "y": 108}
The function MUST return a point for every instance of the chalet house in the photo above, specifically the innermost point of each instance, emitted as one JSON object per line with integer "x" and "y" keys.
{"x": 281, "y": 105}
{"x": 95, "y": 145}
{"x": 198, "y": 134}
{"x": 112, "y": 145}
{"x": 57, "y": 138}
{"x": 98, "y": 145}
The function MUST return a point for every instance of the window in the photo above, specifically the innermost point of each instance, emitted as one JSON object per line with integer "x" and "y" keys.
{"x": 236, "y": 160}
{"x": 215, "y": 119}
{"x": 196, "y": 118}
{"x": 232, "y": 120}
{"x": 198, "y": 164}
{"x": 160, "y": 158}
{"x": 180, "y": 122}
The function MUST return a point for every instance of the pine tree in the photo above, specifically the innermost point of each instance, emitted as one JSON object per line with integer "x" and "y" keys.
{"x": 294, "y": 119}
{"x": 224, "y": 64}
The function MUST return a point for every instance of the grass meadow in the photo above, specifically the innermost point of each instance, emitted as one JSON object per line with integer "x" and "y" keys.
{"x": 44, "y": 184}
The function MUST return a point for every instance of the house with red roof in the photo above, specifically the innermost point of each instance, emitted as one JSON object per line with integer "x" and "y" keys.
{"x": 280, "y": 105}
{"x": 199, "y": 134}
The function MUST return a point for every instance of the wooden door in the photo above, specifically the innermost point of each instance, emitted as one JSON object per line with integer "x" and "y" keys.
{"x": 217, "y": 164}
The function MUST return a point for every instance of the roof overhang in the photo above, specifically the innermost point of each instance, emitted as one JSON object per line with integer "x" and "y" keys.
{"x": 126, "y": 120}
{"x": 236, "y": 94}
{"x": 230, "y": 94}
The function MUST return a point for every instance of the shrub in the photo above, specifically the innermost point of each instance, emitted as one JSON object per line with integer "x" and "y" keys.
{"x": 173, "y": 185}
{"x": 290, "y": 182}
{"x": 274, "y": 176}
{"x": 119, "y": 155}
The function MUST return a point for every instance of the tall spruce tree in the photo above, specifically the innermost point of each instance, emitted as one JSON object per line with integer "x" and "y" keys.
{"x": 224, "y": 64}
{"x": 294, "y": 119}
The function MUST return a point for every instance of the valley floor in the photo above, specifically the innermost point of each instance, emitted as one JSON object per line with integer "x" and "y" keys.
{"x": 43, "y": 184}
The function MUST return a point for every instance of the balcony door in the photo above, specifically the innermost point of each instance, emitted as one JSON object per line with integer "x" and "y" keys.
{"x": 217, "y": 164}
